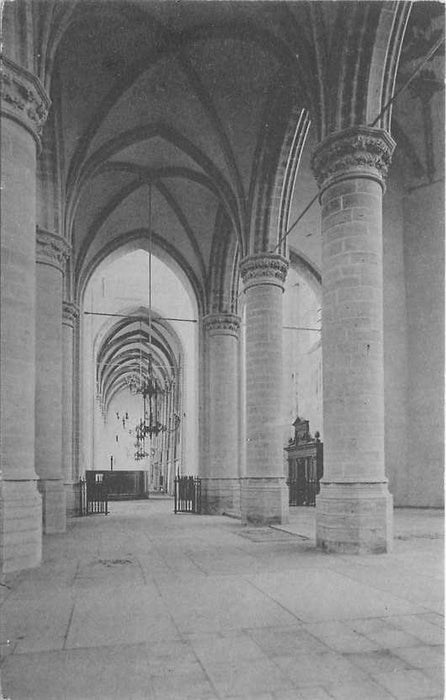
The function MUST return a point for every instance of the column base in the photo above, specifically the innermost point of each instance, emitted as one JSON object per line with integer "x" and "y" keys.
{"x": 20, "y": 525}
{"x": 220, "y": 496}
{"x": 53, "y": 505}
{"x": 264, "y": 501}
{"x": 71, "y": 499}
{"x": 354, "y": 518}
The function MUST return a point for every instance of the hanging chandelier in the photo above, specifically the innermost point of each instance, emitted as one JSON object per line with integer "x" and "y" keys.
{"x": 144, "y": 382}
{"x": 149, "y": 425}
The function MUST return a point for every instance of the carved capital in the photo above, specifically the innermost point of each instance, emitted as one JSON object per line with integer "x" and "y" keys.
{"x": 70, "y": 313}
{"x": 23, "y": 98}
{"x": 264, "y": 268}
{"x": 356, "y": 152}
{"x": 222, "y": 324}
{"x": 51, "y": 249}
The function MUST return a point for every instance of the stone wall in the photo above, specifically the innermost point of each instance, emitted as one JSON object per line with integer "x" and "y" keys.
{"x": 424, "y": 262}
{"x": 414, "y": 342}
{"x": 395, "y": 344}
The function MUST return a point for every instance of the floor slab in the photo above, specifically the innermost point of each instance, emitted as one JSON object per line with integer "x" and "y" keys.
{"x": 144, "y": 604}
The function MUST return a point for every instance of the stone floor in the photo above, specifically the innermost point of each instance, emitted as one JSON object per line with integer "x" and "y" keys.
{"x": 147, "y": 604}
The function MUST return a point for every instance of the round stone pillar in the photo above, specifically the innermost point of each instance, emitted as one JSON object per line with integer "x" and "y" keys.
{"x": 264, "y": 494}
{"x": 354, "y": 507}
{"x": 70, "y": 314}
{"x": 220, "y": 480}
{"x": 51, "y": 254}
{"x": 24, "y": 106}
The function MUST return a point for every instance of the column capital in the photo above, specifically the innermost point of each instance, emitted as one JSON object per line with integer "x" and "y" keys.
{"x": 51, "y": 249}
{"x": 359, "y": 151}
{"x": 70, "y": 313}
{"x": 264, "y": 268}
{"x": 23, "y": 97}
{"x": 222, "y": 324}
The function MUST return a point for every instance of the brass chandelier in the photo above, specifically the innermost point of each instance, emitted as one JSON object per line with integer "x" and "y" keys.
{"x": 144, "y": 382}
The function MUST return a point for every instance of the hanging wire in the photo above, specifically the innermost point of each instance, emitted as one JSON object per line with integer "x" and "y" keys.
{"x": 150, "y": 267}
{"x": 155, "y": 320}
{"x": 140, "y": 354}
{"x": 405, "y": 85}
{"x": 150, "y": 326}
{"x": 301, "y": 215}
{"x": 427, "y": 58}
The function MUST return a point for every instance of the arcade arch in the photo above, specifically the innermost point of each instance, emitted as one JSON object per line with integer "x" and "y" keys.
{"x": 114, "y": 347}
{"x": 209, "y": 106}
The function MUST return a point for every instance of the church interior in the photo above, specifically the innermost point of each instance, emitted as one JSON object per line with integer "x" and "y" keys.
{"x": 222, "y": 237}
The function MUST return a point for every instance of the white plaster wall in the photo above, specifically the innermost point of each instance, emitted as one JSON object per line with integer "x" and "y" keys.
{"x": 413, "y": 262}
{"x": 115, "y": 288}
{"x": 302, "y": 362}
{"x": 424, "y": 263}
{"x": 395, "y": 344}
{"x": 115, "y": 440}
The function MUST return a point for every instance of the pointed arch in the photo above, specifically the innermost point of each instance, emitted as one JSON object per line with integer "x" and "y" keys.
{"x": 221, "y": 292}
{"x": 279, "y": 155}
{"x": 132, "y": 240}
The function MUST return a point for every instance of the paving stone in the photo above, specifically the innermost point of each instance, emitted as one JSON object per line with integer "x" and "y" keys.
{"x": 355, "y": 691}
{"x": 233, "y": 604}
{"x": 383, "y": 661}
{"x": 414, "y": 587}
{"x": 218, "y": 651}
{"x": 338, "y": 636}
{"x": 181, "y": 686}
{"x": 435, "y": 672}
{"x": 287, "y": 641}
{"x": 39, "y": 642}
{"x": 93, "y": 674}
{"x": 435, "y": 607}
{"x": 435, "y": 619}
{"x": 384, "y": 633}
{"x": 420, "y": 627}
{"x": 328, "y": 597}
{"x": 389, "y": 638}
{"x": 247, "y": 677}
{"x": 146, "y": 609}
{"x": 256, "y": 696}
{"x": 409, "y": 685}
{"x": 137, "y": 616}
{"x": 421, "y": 656}
{"x": 320, "y": 669}
{"x": 6, "y": 649}
{"x": 314, "y": 692}
{"x": 37, "y": 622}
{"x": 369, "y": 625}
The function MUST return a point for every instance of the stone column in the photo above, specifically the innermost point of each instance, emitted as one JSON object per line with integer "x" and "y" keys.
{"x": 51, "y": 253}
{"x": 264, "y": 494}
{"x": 24, "y": 106}
{"x": 220, "y": 480}
{"x": 354, "y": 508}
{"x": 69, "y": 319}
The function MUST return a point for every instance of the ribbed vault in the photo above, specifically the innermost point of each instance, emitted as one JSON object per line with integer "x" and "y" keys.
{"x": 210, "y": 103}
{"x": 136, "y": 345}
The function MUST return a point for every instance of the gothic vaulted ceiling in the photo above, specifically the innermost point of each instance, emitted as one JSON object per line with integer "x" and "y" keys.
{"x": 172, "y": 94}
{"x": 207, "y": 104}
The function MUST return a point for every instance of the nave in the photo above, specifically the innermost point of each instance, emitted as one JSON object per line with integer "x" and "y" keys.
{"x": 143, "y": 604}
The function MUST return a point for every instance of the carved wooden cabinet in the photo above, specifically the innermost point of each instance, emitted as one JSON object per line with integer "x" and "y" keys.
{"x": 305, "y": 465}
